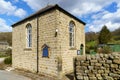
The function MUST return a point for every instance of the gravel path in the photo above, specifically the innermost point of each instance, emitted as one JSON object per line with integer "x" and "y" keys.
{"x": 5, "y": 75}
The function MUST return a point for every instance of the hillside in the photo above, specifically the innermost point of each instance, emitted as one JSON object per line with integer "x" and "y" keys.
{"x": 6, "y": 36}
{"x": 92, "y": 39}
{"x": 116, "y": 35}
{"x": 92, "y": 36}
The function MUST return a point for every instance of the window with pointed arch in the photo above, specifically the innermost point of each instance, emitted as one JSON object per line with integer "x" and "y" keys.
{"x": 71, "y": 33}
{"x": 29, "y": 35}
{"x": 45, "y": 50}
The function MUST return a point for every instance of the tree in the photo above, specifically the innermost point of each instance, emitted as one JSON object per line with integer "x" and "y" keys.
{"x": 104, "y": 36}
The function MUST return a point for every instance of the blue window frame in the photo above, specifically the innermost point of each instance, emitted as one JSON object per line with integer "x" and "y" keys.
{"x": 45, "y": 51}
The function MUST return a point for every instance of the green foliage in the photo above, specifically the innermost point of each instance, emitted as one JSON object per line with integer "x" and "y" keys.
{"x": 104, "y": 36}
{"x": 6, "y": 53}
{"x": 87, "y": 50}
{"x": 9, "y": 52}
{"x": 8, "y": 60}
{"x": 90, "y": 46}
{"x": 107, "y": 49}
{"x": 2, "y": 54}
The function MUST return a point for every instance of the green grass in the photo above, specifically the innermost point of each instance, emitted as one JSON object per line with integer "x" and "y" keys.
{"x": 91, "y": 46}
{"x": 2, "y": 54}
{"x": 91, "y": 43}
{"x": 114, "y": 42}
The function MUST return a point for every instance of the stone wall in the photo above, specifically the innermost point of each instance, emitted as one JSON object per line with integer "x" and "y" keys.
{"x": 97, "y": 67}
{"x": 26, "y": 58}
{"x": 67, "y": 52}
{"x": 23, "y": 57}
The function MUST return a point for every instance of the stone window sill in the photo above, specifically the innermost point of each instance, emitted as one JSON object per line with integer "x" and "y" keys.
{"x": 45, "y": 56}
{"x": 28, "y": 49}
{"x": 73, "y": 48}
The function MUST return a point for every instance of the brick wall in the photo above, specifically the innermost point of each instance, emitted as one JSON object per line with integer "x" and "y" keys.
{"x": 97, "y": 67}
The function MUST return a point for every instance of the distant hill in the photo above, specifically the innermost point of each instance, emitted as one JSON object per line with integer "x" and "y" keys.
{"x": 116, "y": 34}
{"x": 92, "y": 39}
{"x": 92, "y": 36}
{"x": 6, "y": 36}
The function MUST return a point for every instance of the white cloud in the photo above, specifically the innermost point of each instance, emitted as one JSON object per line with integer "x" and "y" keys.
{"x": 20, "y": 12}
{"x": 4, "y": 27}
{"x": 79, "y": 8}
{"x": 112, "y": 26}
{"x": 34, "y": 4}
{"x": 6, "y": 7}
{"x": 111, "y": 20}
{"x": 38, "y": 4}
{"x": 82, "y": 8}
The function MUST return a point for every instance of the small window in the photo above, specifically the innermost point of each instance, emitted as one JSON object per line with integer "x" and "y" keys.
{"x": 45, "y": 51}
{"x": 71, "y": 34}
{"x": 81, "y": 48}
{"x": 29, "y": 35}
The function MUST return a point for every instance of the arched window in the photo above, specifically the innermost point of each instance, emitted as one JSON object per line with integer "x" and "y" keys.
{"x": 81, "y": 48}
{"x": 45, "y": 51}
{"x": 71, "y": 34}
{"x": 29, "y": 35}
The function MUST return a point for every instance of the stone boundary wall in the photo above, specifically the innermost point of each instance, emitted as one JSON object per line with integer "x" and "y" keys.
{"x": 97, "y": 67}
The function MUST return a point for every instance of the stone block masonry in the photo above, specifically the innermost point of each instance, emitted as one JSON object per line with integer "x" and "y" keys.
{"x": 97, "y": 67}
{"x": 44, "y": 23}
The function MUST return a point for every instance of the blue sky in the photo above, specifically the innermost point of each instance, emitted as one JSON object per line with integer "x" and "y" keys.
{"x": 95, "y": 13}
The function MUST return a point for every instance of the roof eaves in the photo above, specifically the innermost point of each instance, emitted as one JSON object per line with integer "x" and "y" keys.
{"x": 35, "y": 14}
{"x": 45, "y": 10}
{"x": 64, "y": 11}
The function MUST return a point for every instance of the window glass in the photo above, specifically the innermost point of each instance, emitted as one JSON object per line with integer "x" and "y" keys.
{"x": 71, "y": 34}
{"x": 45, "y": 51}
{"x": 29, "y": 35}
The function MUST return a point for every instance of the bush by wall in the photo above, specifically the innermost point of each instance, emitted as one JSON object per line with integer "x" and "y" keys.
{"x": 8, "y": 60}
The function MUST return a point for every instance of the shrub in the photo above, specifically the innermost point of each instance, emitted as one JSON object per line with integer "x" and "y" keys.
{"x": 8, "y": 60}
{"x": 107, "y": 49}
{"x": 9, "y": 52}
{"x": 2, "y": 54}
{"x": 87, "y": 49}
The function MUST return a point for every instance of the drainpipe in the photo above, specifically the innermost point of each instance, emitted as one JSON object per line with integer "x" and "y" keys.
{"x": 37, "y": 45}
